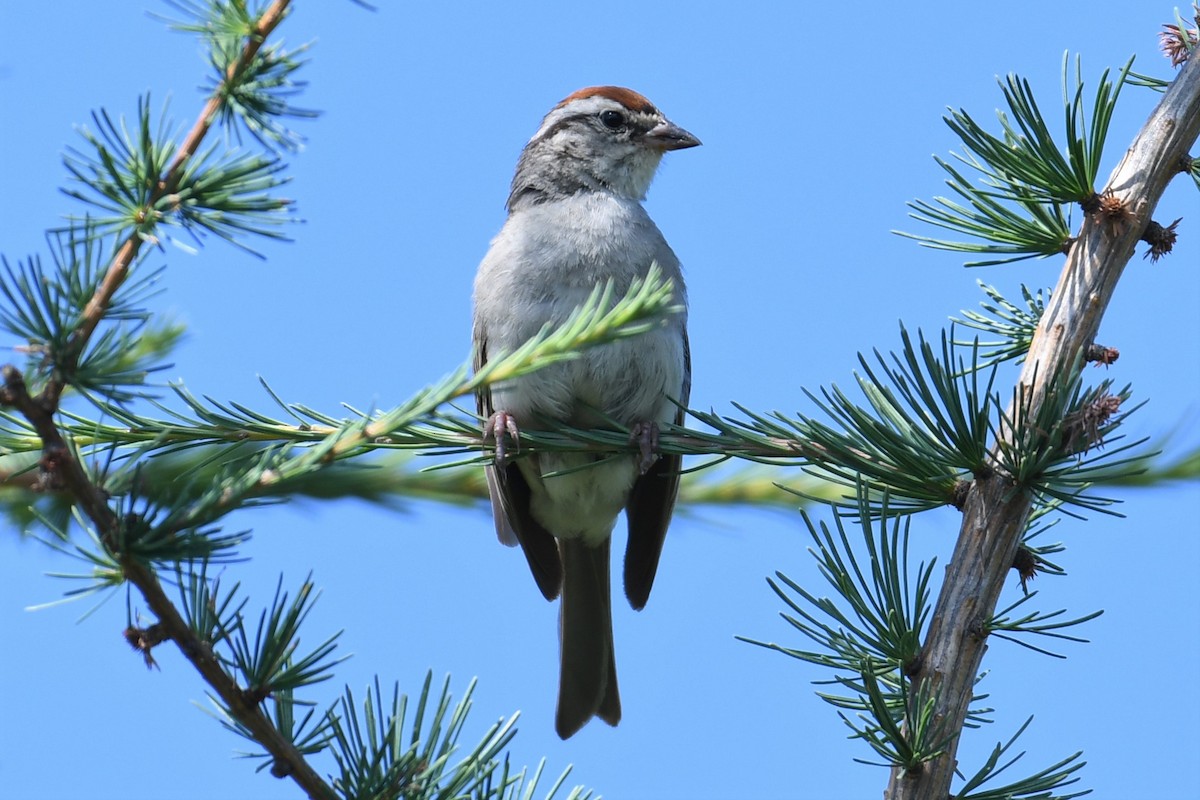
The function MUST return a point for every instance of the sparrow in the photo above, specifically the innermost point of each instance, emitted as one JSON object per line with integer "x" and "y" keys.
{"x": 576, "y": 220}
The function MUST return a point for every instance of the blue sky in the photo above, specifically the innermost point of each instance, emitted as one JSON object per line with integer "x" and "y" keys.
{"x": 818, "y": 125}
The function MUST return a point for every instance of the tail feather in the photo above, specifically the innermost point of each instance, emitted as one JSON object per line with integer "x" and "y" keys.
{"x": 587, "y": 685}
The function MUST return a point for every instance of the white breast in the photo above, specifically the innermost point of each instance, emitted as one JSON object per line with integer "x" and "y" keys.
{"x": 543, "y": 264}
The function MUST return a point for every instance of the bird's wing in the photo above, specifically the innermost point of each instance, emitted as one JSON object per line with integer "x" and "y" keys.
{"x": 510, "y": 495}
{"x": 650, "y": 504}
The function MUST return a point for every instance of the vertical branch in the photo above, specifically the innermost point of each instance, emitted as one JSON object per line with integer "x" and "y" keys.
{"x": 995, "y": 515}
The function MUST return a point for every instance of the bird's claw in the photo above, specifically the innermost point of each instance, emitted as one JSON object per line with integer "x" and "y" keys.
{"x": 645, "y": 434}
{"x": 498, "y": 426}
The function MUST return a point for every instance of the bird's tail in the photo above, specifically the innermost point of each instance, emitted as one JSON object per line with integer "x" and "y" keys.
{"x": 587, "y": 684}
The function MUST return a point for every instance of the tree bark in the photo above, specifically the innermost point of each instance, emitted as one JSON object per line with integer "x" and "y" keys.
{"x": 995, "y": 516}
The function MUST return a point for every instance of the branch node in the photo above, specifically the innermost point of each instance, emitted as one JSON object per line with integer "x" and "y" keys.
{"x": 1099, "y": 354}
{"x": 13, "y": 392}
{"x": 50, "y": 478}
{"x": 145, "y": 640}
{"x": 961, "y": 491}
{"x": 1174, "y": 42}
{"x": 1111, "y": 211}
{"x": 978, "y": 629}
{"x": 1025, "y": 563}
{"x": 912, "y": 668}
{"x": 1081, "y": 430}
{"x": 255, "y": 695}
{"x": 1160, "y": 239}
{"x": 1090, "y": 205}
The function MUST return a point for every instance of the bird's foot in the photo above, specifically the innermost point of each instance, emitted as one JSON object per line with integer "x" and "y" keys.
{"x": 645, "y": 434}
{"x": 498, "y": 426}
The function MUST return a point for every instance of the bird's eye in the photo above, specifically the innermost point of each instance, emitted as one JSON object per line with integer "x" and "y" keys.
{"x": 613, "y": 120}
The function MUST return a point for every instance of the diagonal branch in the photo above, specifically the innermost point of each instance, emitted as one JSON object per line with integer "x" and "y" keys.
{"x": 288, "y": 761}
{"x": 62, "y": 468}
{"x": 996, "y": 511}
{"x": 127, "y": 253}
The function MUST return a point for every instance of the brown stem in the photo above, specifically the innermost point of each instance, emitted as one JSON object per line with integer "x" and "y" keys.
{"x": 995, "y": 516}
{"x": 58, "y": 459}
{"x": 287, "y": 759}
{"x": 93, "y": 501}
{"x": 65, "y": 471}
{"x": 118, "y": 270}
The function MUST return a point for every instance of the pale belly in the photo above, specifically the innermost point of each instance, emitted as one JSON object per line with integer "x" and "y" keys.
{"x": 579, "y": 495}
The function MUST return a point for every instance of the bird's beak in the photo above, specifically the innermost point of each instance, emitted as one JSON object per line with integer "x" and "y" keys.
{"x": 666, "y": 135}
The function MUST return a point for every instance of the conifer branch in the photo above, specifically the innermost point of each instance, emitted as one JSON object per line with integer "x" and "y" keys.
{"x": 921, "y": 440}
{"x": 127, "y": 253}
{"x": 62, "y": 468}
{"x": 997, "y": 510}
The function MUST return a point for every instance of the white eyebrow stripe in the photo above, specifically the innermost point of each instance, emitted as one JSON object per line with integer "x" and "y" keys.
{"x": 582, "y": 107}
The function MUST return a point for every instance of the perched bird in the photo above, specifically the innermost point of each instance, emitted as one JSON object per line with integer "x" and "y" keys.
{"x": 575, "y": 220}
